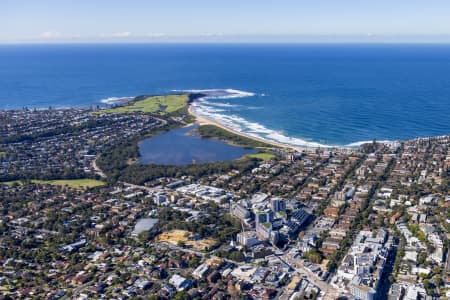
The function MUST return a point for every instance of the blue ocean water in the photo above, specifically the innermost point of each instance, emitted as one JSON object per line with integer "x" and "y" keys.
{"x": 327, "y": 94}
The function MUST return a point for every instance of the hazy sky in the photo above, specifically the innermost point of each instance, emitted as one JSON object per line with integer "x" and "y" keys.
{"x": 192, "y": 20}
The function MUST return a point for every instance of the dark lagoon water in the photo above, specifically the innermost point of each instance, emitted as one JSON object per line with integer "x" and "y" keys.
{"x": 300, "y": 94}
{"x": 181, "y": 147}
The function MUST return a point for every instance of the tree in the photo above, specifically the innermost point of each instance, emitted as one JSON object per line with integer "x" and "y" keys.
{"x": 428, "y": 286}
{"x": 193, "y": 262}
{"x": 301, "y": 234}
{"x": 182, "y": 295}
{"x": 313, "y": 256}
{"x": 237, "y": 256}
{"x": 144, "y": 236}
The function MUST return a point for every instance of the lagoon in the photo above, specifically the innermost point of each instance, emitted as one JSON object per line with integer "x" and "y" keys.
{"x": 331, "y": 94}
{"x": 183, "y": 146}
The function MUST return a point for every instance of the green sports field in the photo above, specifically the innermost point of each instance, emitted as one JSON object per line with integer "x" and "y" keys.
{"x": 73, "y": 183}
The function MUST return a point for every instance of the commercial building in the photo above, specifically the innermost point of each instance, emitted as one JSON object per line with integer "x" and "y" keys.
{"x": 247, "y": 238}
{"x": 300, "y": 217}
{"x": 278, "y": 204}
{"x": 239, "y": 211}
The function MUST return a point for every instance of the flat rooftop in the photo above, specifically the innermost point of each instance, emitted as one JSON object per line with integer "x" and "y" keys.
{"x": 144, "y": 224}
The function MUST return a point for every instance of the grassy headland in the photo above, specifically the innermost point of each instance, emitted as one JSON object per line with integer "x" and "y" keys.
{"x": 162, "y": 105}
{"x": 120, "y": 161}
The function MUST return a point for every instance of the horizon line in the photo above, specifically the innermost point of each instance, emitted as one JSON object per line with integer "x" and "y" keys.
{"x": 379, "y": 42}
{"x": 325, "y": 38}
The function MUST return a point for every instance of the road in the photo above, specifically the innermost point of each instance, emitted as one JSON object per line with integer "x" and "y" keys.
{"x": 306, "y": 273}
{"x": 329, "y": 291}
{"x": 31, "y": 229}
{"x": 97, "y": 168}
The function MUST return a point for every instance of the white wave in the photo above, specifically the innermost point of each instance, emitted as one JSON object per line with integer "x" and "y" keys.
{"x": 220, "y": 93}
{"x": 359, "y": 144}
{"x": 237, "y": 94}
{"x": 211, "y": 110}
{"x": 206, "y": 109}
{"x": 218, "y": 104}
{"x": 206, "y": 103}
{"x": 115, "y": 100}
{"x": 254, "y": 129}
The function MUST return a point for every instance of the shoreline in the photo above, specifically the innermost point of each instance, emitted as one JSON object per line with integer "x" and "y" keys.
{"x": 201, "y": 120}
{"x": 205, "y": 121}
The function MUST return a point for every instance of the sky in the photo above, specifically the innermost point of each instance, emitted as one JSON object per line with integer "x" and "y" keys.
{"x": 225, "y": 20}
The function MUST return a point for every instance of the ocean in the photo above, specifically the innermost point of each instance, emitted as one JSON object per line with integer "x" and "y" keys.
{"x": 321, "y": 94}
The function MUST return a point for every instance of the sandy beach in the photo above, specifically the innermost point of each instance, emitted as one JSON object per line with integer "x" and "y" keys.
{"x": 204, "y": 121}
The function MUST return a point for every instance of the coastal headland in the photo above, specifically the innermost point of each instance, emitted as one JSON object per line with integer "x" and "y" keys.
{"x": 97, "y": 197}
{"x": 180, "y": 103}
{"x": 186, "y": 103}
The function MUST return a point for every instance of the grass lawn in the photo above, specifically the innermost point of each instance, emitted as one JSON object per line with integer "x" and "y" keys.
{"x": 265, "y": 156}
{"x": 154, "y": 104}
{"x": 73, "y": 183}
{"x": 2, "y": 153}
{"x": 215, "y": 132}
